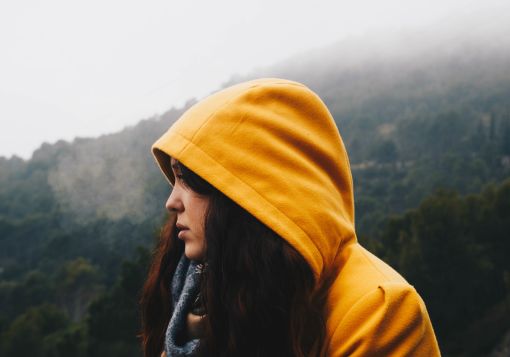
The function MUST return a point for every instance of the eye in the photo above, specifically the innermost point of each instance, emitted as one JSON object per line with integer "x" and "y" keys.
{"x": 180, "y": 178}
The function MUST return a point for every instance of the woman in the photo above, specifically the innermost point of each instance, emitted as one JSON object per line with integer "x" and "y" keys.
{"x": 259, "y": 256}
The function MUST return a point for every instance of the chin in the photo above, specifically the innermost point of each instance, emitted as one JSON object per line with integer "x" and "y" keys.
{"x": 192, "y": 254}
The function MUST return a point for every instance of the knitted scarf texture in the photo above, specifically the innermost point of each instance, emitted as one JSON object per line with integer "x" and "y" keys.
{"x": 184, "y": 289}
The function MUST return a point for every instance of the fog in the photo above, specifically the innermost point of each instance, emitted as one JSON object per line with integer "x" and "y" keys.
{"x": 87, "y": 69}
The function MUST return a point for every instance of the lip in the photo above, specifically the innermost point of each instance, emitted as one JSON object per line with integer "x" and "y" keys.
{"x": 181, "y": 233}
{"x": 182, "y": 229}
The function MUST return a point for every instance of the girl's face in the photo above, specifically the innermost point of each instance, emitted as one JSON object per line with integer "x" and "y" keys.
{"x": 191, "y": 209}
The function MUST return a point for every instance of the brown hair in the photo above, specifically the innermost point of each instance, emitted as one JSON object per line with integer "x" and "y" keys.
{"x": 258, "y": 292}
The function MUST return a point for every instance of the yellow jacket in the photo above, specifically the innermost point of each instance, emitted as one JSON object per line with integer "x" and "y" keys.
{"x": 272, "y": 146}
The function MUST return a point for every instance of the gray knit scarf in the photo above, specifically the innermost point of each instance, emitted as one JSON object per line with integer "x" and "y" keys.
{"x": 184, "y": 290}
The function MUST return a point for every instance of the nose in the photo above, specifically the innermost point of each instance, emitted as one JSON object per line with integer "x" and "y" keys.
{"x": 174, "y": 202}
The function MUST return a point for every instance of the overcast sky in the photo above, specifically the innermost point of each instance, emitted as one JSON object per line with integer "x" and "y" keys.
{"x": 85, "y": 68}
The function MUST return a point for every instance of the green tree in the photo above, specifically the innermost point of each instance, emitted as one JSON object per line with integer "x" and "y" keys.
{"x": 78, "y": 283}
{"x": 113, "y": 323}
{"x": 26, "y": 334}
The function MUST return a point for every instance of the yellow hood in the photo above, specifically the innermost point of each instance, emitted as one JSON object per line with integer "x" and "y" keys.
{"x": 272, "y": 146}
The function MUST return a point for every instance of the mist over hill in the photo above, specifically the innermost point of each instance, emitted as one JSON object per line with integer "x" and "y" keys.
{"x": 380, "y": 89}
{"x": 376, "y": 85}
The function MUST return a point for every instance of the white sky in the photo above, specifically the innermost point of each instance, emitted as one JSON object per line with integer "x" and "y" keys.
{"x": 84, "y": 68}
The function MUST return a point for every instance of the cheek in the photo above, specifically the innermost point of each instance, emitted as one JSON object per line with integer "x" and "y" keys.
{"x": 200, "y": 213}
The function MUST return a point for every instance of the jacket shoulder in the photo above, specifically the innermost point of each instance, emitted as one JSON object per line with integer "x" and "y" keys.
{"x": 376, "y": 312}
{"x": 391, "y": 320}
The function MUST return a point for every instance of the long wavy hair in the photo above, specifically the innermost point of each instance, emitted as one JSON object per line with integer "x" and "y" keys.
{"x": 259, "y": 293}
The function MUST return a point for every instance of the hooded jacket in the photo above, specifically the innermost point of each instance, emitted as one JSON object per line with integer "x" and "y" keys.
{"x": 272, "y": 146}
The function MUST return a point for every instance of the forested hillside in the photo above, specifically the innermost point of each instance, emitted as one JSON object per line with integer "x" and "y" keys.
{"x": 428, "y": 134}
